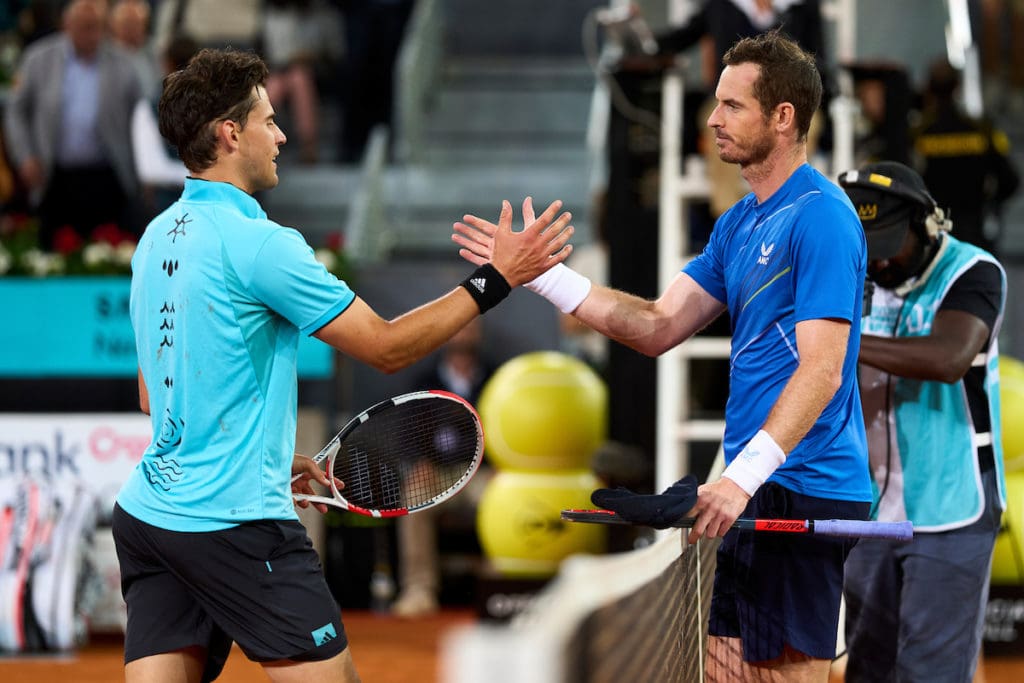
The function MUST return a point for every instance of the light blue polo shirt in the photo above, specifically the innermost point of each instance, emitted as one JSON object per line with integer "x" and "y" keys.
{"x": 799, "y": 255}
{"x": 219, "y": 297}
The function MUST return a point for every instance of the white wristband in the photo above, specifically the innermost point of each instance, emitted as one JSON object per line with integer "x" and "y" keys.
{"x": 755, "y": 463}
{"x": 562, "y": 286}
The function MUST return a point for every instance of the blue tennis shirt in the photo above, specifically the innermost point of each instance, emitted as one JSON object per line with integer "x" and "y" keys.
{"x": 219, "y": 296}
{"x": 799, "y": 255}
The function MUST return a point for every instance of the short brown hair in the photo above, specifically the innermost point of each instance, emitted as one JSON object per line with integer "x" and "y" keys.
{"x": 788, "y": 74}
{"x": 217, "y": 85}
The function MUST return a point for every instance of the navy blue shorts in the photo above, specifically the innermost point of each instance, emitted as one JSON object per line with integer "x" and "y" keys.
{"x": 775, "y": 589}
{"x": 259, "y": 584}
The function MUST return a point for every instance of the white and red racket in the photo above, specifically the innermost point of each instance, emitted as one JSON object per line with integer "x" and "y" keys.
{"x": 403, "y": 455}
{"x": 845, "y": 528}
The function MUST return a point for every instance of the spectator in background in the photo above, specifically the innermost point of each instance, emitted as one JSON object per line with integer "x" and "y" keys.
{"x": 289, "y": 44}
{"x": 65, "y": 125}
{"x": 211, "y": 23}
{"x": 461, "y": 369}
{"x": 885, "y": 97}
{"x": 161, "y": 172}
{"x": 373, "y": 37}
{"x": 129, "y": 28}
{"x": 963, "y": 160}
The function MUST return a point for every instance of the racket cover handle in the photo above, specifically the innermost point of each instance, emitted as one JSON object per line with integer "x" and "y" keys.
{"x": 893, "y": 531}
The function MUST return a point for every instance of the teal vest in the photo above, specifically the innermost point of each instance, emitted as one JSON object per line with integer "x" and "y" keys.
{"x": 931, "y": 475}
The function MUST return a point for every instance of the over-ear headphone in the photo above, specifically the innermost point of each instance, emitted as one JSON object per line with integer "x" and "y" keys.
{"x": 935, "y": 219}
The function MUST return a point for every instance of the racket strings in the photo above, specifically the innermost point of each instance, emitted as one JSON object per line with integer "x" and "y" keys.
{"x": 408, "y": 456}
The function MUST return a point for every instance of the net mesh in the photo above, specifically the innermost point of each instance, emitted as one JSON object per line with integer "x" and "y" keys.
{"x": 639, "y": 617}
{"x": 654, "y": 633}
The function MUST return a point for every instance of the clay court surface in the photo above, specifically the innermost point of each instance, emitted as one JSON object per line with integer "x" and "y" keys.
{"x": 386, "y": 650}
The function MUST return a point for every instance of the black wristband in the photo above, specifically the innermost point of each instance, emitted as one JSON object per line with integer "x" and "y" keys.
{"x": 487, "y": 287}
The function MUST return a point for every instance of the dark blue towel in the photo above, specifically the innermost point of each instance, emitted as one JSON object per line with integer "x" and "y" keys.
{"x": 658, "y": 510}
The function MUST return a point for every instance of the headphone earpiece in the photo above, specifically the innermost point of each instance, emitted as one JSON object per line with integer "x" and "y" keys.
{"x": 936, "y": 222}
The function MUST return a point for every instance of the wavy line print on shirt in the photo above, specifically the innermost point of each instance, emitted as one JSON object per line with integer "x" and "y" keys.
{"x": 164, "y": 470}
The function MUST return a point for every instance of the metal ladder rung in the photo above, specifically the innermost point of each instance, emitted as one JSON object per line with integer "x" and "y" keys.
{"x": 700, "y": 430}
{"x": 702, "y": 347}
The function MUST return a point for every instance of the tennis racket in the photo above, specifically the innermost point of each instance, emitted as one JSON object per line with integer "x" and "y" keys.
{"x": 402, "y": 455}
{"x": 846, "y": 528}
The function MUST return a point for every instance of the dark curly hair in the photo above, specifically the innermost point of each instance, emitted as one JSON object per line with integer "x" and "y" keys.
{"x": 217, "y": 85}
{"x": 788, "y": 74}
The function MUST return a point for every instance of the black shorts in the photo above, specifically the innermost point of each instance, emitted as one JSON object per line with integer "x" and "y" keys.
{"x": 776, "y": 589}
{"x": 259, "y": 584}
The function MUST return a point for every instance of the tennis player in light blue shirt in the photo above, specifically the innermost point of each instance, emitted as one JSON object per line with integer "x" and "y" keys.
{"x": 209, "y": 546}
{"x": 234, "y": 293}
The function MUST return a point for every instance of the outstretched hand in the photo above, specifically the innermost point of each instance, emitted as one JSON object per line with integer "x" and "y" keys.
{"x": 518, "y": 256}
{"x": 306, "y": 471}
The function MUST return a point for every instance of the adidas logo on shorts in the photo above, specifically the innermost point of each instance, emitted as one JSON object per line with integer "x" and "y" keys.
{"x": 324, "y": 634}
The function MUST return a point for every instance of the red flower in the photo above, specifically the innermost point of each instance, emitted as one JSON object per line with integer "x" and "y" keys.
{"x": 336, "y": 241}
{"x": 66, "y": 240}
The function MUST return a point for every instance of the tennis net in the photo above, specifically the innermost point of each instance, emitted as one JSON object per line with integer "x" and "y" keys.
{"x": 639, "y": 616}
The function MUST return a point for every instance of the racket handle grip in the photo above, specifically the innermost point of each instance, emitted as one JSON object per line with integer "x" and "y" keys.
{"x": 893, "y": 531}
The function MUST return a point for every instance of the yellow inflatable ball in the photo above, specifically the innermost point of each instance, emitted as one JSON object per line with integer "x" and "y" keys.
{"x": 1010, "y": 367}
{"x": 543, "y": 411}
{"x": 1011, "y": 406}
{"x": 520, "y": 526}
{"x": 1008, "y": 557}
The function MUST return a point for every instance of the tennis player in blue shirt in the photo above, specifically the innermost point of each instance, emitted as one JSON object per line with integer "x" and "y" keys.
{"x": 210, "y": 547}
{"x": 788, "y": 262}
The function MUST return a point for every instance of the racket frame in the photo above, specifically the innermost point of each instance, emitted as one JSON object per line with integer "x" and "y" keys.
{"x": 329, "y": 452}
